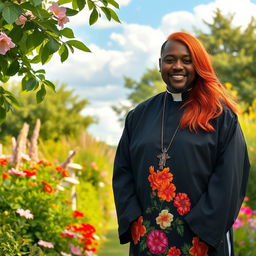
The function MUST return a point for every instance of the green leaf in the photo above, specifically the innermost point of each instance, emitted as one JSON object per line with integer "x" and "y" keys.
{"x": 53, "y": 45}
{"x": 74, "y": 4}
{"x": 79, "y": 45}
{"x": 11, "y": 13}
{"x": 93, "y": 16}
{"x": 63, "y": 52}
{"x": 106, "y": 12}
{"x": 50, "y": 25}
{"x": 2, "y": 114}
{"x": 48, "y": 49}
{"x": 2, "y": 5}
{"x": 13, "y": 68}
{"x": 31, "y": 84}
{"x": 49, "y": 84}
{"x": 114, "y": 16}
{"x": 81, "y": 4}
{"x": 16, "y": 34}
{"x": 67, "y": 32}
{"x": 60, "y": 2}
{"x": 36, "y": 59}
{"x": 42, "y": 71}
{"x": 23, "y": 83}
{"x": 114, "y": 3}
{"x": 37, "y": 2}
{"x": 13, "y": 100}
{"x": 91, "y": 4}
{"x": 71, "y": 12}
{"x": 35, "y": 39}
{"x": 40, "y": 94}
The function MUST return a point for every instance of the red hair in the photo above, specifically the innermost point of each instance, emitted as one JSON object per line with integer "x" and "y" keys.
{"x": 206, "y": 99}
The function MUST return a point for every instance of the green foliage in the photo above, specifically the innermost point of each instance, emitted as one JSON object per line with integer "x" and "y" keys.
{"x": 149, "y": 85}
{"x": 38, "y": 34}
{"x": 60, "y": 114}
{"x": 233, "y": 53}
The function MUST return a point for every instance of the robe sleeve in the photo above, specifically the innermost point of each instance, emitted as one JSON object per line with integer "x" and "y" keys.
{"x": 217, "y": 209}
{"x": 127, "y": 205}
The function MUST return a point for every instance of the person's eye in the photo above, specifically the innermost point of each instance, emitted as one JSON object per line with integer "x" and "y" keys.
{"x": 169, "y": 60}
{"x": 187, "y": 61}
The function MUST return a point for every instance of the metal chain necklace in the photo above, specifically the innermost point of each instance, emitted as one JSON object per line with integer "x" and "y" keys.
{"x": 164, "y": 155}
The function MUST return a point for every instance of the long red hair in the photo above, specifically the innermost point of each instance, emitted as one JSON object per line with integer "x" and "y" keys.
{"x": 206, "y": 99}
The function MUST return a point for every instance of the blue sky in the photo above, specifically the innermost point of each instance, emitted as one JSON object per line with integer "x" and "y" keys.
{"x": 128, "y": 49}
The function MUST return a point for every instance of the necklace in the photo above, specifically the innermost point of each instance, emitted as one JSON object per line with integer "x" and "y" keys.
{"x": 164, "y": 155}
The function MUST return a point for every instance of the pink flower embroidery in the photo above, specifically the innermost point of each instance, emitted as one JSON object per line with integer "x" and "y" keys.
{"x": 45, "y": 244}
{"x": 5, "y": 43}
{"x": 157, "y": 241}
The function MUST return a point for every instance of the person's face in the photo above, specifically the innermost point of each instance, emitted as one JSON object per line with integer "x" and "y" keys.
{"x": 176, "y": 66}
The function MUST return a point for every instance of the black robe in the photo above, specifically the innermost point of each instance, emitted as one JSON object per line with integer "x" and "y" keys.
{"x": 188, "y": 209}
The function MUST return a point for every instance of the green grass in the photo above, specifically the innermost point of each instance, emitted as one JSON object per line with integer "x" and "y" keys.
{"x": 111, "y": 247}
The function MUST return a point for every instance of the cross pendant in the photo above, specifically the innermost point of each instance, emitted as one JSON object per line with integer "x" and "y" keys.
{"x": 162, "y": 158}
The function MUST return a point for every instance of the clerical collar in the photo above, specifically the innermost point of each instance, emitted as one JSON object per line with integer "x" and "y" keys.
{"x": 175, "y": 96}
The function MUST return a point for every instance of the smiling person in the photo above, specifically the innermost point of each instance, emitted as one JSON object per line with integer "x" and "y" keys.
{"x": 181, "y": 166}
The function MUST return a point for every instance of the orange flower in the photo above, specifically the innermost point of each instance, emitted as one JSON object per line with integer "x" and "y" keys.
{"x": 5, "y": 176}
{"x": 64, "y": 172}
{"x": 159, "y": 178}
{"x": 3, "y": 161}
{"x": 173, "y": 251}
{"x": 167, "y": 192}
{"x": 199, "y": 248}
{"x": 47, "y": 187}
{"x": 138, "y": 230}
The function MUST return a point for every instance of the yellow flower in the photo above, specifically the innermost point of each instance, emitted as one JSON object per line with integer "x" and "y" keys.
{"x": 164, "y": 219}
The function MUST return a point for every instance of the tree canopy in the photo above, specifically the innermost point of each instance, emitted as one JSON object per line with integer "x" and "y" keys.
{"x": 60, "y": 114}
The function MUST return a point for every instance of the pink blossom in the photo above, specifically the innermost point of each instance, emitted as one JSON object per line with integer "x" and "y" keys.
{"x": 5, "y": 43}
{"x": 30, "y": 15}
{"x": 21, "y": 21}
{"x": 25, "y": 213}
{"x": 253, "y": 223}
{"x": 238, "y": 223}
{"x": 75, "y": 249}
{"x": 246, "y": 198}
{"x": 104, "y": 173}
{"x": 45, "y": 244}
{"x": 246, "y": 210}
{"x": 59, "y": 12}
{"x": 71, "y": 234}
{"x": 157, "y": 242}
{"x": 62, "y": 21}
{"x": 16, "y": 172}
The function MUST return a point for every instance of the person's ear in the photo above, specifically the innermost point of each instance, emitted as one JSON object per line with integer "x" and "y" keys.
{"x": 160, "y": 65}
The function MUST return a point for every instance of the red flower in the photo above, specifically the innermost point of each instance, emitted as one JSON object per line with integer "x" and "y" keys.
{"x": 47, "y": 187}
{"x": 29, "y": 173}
{"x": 3, "y": 161}
{"x": 138, "y": 230}
{"x": 157, "y": 242}
{"x": 173, "y": 251}
{"x": 182, "y": 202}
{"x": 5, "y": 176}
{"x": 199, "y": 248}
{"x": 78, "y": 214}
{"x": 64, "y": 172}
{"x": 43, "y": 162}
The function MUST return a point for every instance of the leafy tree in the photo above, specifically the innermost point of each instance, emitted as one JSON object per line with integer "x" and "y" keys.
{"x": 60, "y": 114}
{"x": 233, "y": 51}
{"x": 149, "y": 85}
{"x": 31, "y": 32}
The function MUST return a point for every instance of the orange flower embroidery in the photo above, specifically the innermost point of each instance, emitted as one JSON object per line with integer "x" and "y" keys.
{"x": 167, "y": 192}
{"x": 138, "y": 230}
{"x": 199, "y": 248}
{"x": 159, "y": 178}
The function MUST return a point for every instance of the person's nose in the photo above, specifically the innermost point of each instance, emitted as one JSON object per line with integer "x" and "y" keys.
{"x": 178, "y": 65}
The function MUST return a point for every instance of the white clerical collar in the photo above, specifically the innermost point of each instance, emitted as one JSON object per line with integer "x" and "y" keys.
{"x": 175, "y": 96}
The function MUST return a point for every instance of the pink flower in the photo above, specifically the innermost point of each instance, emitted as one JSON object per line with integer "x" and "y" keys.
{"x": 16, "y": 172}
{"x": 238, "y": 223}
{"x": 246, "y": 198}
{"x": 25, "y": 213}
{"x": 246, "y": 210}
{"x": 45, "y": 244}
{"x": 75, "y": 249}
{"x": 157, "y": 241}
{"x": 59, "y": 12}
{"x": 62, "y": 21}
{"x": 253, "y": 223}
{"x": 5, "y": 43}
{"x": 21, "y": 21}
{"x": 30, "y": 15}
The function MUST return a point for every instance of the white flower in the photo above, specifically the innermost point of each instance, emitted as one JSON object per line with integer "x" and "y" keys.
{"x": 25, "y": 213}
{"x": 25, "y": 157}
{"x": 45, "y": 244}
{"x": 101, "y": 184}
{"x": 71, "y": 180}
{"x": 16, "y": 172}
{"x": 60, "y": 188}
{"x": 75, "y": 166}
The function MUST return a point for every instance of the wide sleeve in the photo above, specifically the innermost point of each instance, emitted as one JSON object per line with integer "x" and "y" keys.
{"x": 127, "y": 205}
{"x": 218, "y": 207}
